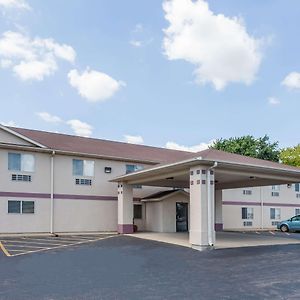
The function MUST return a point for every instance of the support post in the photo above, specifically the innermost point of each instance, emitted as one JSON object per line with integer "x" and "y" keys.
{"x": 202, "y": 233}
{"x": 218, "y": 210}
{"x": 125, "y": 208}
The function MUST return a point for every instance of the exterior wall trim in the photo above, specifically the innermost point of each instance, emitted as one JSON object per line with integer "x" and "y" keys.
{"x": 259, "y": 203}
{"x": 60, "y": 196}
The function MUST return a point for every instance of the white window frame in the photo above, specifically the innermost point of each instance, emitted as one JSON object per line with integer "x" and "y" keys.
{"x": 23, "y": 167}
{"x": 249, "y": 213}
{"x": 85, "y": 163}
{"x": 21, "y": 207}
{"x": 277, "y": 213}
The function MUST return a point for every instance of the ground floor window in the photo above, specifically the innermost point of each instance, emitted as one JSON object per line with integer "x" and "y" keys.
{"x": 247, "y": 213}
{"x": 275, "y": 213}
{"x": 297, "y": 211}
{"x": 137, "y": 211}
{"x": 20, "y": 207}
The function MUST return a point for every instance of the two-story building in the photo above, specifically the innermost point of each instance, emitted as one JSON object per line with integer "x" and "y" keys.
{"x": 52, "y": 182}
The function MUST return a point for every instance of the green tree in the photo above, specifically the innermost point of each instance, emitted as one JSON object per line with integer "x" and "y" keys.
{"x": 248, "y": 145}
{"x": 291, "y": 156}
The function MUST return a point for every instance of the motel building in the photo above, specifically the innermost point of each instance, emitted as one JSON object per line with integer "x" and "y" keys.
{"x": 57, "y": 183}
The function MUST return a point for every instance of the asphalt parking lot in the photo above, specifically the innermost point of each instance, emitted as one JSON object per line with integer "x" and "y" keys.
{"x": 125, "y": 267}
{"x": 15, "y": 246}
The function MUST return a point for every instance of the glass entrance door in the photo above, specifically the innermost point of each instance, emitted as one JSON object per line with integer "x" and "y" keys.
{"x": 181, "y": 217}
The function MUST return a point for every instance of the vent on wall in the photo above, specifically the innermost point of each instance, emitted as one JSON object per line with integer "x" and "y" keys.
{"x": 247, "y": 223}
{"x": 20, "y": 177}
{"x": 275, "y": 223}
{"x": 275, "y": 194}
{"x": 83, "y": 181}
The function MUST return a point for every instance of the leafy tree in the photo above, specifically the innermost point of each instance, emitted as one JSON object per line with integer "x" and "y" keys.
{"x": 248, "y": 145}
{"x": 291, "y": 156}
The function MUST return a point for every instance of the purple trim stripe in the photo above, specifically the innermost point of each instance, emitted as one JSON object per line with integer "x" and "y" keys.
{"x": 60, "y": 196}
{"x": 259, "y": 204}
{"x": 218, "y": 226}
{"x": 125, "y": 228}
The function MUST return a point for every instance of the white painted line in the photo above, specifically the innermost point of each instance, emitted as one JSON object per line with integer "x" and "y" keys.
{"x": 30, "y": 242}
{"x": 64, "y": 246}
{"x": 22, "y": 246}
{"x": 272, "y": 232}
{"x": 287, "y": 233}
{"x": 52, "y": 240}
{"x": 257, "y": 232}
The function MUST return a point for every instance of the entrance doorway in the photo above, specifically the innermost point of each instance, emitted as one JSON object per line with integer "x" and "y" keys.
{"x": 181, "y": 217}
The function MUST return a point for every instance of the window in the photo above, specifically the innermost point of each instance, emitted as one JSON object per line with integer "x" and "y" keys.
{"x": 21, "y": 162}
{"x": 83, "y": 181}
{"x": 298, "y": 195}
{"x": 297, "y": 187}
{"x": 14, "y": 207}
{"x": 247, "y": 192}
{"x": 275, "y": 187}
{"x": 275, "y": 213}
{"x": 247, "y": 213}
{"x": 27, "y": 207}
{"x": 83, "y": 167}
{"x": 20, "y": 207}
{"x": 134, "y": 168}
{"x": 297, "y": 211}
{"x": 137, "y": 211}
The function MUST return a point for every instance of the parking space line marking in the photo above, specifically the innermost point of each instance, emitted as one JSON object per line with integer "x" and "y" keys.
{"x": 53, "y": 240}
{"x": 63, "y": 246}
{"x": 4, "y": 250}
{"x": 29, "y": 242}
{"x": 272, "y": 232}
{"x": 23, "y": 246}
{"x": 257, "y": 232}
{"x": 287, "y": 233}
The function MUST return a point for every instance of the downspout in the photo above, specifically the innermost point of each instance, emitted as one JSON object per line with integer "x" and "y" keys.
{"x": 262, "y": 208}
{"x": 52, "y": 193}
{"x": 209, "y": 205}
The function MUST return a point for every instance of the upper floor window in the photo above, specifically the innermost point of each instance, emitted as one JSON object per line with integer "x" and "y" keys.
{"x": 247, "y": 192}
{"x": 133, "y": 168}
{"x": 21, "y": 162}
{"x": 275, "y": 187}
{"x": 297, "y": 187}
{"x": 83, "y": 167}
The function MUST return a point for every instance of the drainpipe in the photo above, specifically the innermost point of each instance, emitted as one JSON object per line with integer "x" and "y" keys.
{"x": 52, "y": 193}
{"x": 209, "y": 205}
{"x": 262, "y": 208}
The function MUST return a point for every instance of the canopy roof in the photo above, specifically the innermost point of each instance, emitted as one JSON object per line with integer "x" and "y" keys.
{"x": 231, "y": 171}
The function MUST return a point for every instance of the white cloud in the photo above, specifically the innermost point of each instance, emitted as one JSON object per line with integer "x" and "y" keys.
{"x": 49, "y": 118}
{"x": 273, "y": 101}
{"x": 135, "y": 43}
{"x": 133, "y": 139}
{"x": 219, "y": 47}
{"x": 15, "y": 4}
{"x": 195, "y": 148}
{"x": 5, "y": 63}
{"x": 80, "y": 128}
{"x": 33, "y": 59}
{"x": 138, "y": 28}
{"x": 93, "y": 85}
{"x": 292, "y": 80}
{"x": 9, "y": 123}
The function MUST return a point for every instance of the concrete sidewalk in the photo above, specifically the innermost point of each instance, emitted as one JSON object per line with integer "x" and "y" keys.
{"x": 224, "y": 239}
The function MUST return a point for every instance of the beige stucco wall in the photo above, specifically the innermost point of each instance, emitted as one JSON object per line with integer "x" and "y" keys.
{"x": 19, "y": 223}
{"x": 161, "y": 215}
{"x": 233, "y": 203}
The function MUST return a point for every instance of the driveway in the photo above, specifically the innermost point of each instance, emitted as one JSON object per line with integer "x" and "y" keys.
{"x": 124, "y": 267}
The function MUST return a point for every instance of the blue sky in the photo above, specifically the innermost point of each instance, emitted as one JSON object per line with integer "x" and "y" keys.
{"x": 164, "y": 73}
